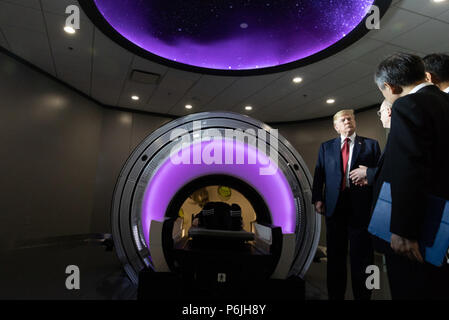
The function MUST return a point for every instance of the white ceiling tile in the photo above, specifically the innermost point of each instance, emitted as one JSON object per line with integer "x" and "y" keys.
{"x": 284, "y": 94}
{"x": 72, "y": 53}
{"x": 178, "y": 80}
{"x": 148, "y": 66}
{"x": 202, "y": 92}
{"x": 308, "y": 90}
{"x": 3, "y": 42}
{"x": 300, "y": 97}
{"x": 346, "y": 74}
{"x": 21, "y": 17}
{"x": 280, "y": 89}
{"x": 163, "y": 100}
{"x": 396, "y": 22}
{"x": 354, "y": 90}
{"x": 110, "y": 69}
{"x": 374, "y": 57}
{"x": 444, "y": 16}
{"x": 239, "y": 90}
{"x": 360, "y": 48}
{"x": 172, "y": 89}
{"x": 109, "y": 58}
{"x": 196, "y": 103}
{"x": 210, "y": 85}
{"x": 319, "y": 109}
{"x": 325, "y": 87}
{"x": 80, "y": 42}
{"x": 323, "y": 67}
{"x": 367, "y": 81}
{"x": 143, "y": 91}
{"x": 24, "y": 3}
{"x": 59, "y": 7}
{"x": 426, "y": 38}
{"x": 31, "y": 46}
{"x": 424, "y": 7}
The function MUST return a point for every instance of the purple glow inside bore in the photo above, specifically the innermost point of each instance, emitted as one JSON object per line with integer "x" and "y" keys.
{"x": 171, "y": 177}
{"x": 234, "y": 34}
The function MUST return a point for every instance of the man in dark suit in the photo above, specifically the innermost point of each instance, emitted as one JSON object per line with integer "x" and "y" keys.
{"x": 437, "y": 70}
{"x": 417, "y": 165}
{"x": 345, "y": 205}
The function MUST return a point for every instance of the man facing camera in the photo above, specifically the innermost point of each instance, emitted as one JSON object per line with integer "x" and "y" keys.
{"x": 345, "y": 205}
{"x": 437, "y": 70}
{"x": 417, "y": 165}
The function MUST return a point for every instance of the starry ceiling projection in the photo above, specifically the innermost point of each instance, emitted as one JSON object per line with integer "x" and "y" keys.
{"x": 233, "y": 35}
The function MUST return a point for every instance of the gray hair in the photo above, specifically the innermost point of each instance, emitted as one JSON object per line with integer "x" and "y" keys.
{"x": 400, "y": 70}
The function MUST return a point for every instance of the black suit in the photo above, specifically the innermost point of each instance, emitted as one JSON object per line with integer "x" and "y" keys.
{"x": 347, "y": 215}
{"x": 416, "y": 164}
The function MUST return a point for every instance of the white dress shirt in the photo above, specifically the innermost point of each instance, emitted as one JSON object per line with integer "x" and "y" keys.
{"x": 420, "y": 86}
{"x": 351, "y": 148}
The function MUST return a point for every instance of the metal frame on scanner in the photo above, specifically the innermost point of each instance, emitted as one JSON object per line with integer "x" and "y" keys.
{"x": 153, "y": 150}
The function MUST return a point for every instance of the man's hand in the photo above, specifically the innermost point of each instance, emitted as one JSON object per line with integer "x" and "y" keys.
{"x": 358, "y": 176}
{"x": 319, "y": 207}
{"x": 362, "y": 183}
{"x": 406, "y": 247}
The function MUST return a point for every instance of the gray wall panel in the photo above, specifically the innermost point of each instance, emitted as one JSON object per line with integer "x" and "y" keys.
{"x": 49, "y": 137}
{"x": 122, "y": 132}
{"x": 144, "y": 125}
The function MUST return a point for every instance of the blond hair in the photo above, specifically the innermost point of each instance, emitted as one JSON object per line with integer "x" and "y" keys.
{"x": 343, "y": 112}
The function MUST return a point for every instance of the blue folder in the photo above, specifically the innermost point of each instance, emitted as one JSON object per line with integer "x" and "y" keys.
{"x": 434, "y": 238}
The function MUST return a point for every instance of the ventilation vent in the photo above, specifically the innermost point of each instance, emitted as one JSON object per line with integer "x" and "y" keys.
{"x": 145, "y": 77}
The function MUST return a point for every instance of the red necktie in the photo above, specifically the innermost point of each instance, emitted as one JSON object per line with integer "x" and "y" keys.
{"x": 345, "y": 158}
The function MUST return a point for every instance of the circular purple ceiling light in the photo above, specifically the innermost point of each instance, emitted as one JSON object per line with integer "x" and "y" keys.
{"x": 234, "y": 35}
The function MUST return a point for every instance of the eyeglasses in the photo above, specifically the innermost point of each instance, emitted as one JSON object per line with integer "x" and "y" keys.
{"x": 379, "y": 113}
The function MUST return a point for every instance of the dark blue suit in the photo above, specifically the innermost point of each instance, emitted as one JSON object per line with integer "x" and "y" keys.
{"x": 347, "y": 214}
{"x": 328, "y": 172}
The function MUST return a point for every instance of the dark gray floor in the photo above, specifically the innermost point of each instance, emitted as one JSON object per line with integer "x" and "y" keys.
{"x": 39, "y": 273}
{"x": 316, "y": 281}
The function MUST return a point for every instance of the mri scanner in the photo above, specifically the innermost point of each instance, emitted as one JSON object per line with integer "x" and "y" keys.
{"x": 151, "y": 233}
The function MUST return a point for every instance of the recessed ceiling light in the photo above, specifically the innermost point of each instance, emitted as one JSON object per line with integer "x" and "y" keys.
{"x": 188, "y": 106}
{"x": 69, "y": 30}
{"x": 330, "y": 101}
{"x": 438, "y": 1}
{"x": 248, "y": 108}
{"x": 135, "y": 98}
{"x": 297, "y": 80}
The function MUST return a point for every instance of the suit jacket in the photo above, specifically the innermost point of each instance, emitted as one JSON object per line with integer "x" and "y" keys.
{"x": 416, "y": 158}
{"x": 329, "y": 174}
{"x": 372, "y": 173}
